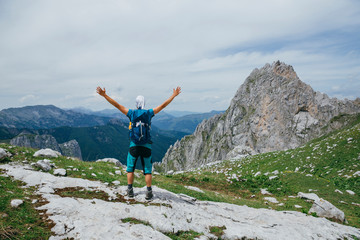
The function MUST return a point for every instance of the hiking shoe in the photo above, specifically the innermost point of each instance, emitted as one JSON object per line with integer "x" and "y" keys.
{"x": 130, "y": 192}
{"x": 149, "y": 195}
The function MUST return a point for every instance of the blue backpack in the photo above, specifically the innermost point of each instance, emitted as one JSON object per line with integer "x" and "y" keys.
{"x": 140, "y": 130}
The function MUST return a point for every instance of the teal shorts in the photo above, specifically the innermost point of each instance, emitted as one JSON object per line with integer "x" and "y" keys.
{"x": 142, "y": 153}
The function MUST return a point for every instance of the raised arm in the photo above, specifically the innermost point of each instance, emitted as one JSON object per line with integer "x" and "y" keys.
{"x": 176, "y": 92}
{"x": 102, "y": 92}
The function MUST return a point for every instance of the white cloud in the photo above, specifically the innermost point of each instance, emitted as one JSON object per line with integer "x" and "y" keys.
{"x": 28, "y": 99}
{"x": 54, "y": 49}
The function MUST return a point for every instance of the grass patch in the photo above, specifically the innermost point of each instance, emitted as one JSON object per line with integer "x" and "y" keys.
{"x": 217, "y": 231}
{"x": 135, "y": 221}
{"x": 184, "y": 235}
{"x": 79, "y": 192}
{"x": 23, "y": 222}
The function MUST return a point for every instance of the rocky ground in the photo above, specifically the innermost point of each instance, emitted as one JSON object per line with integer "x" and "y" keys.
{"x": 109, "y": 214}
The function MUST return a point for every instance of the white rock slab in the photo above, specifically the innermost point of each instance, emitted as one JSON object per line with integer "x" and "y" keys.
{"x": 82, "y": 218}
{"x": 324, "y": 208}
{"x": 60, "y": 172}
{"x": 116, "y": 182}
{"x": 272, "y": 177}
{"x": 3, "y": 153}
{"x": 265, "y": 192}
{"x": 271, "y": 199}
{"x": 338, "y": 191}
{"x": 311, "y": 196}
{"x": 350, "y": 192}
{"x": 43, "y": 165}
{"x": 16, "y": 203}
{"x": 194, "y": 189}
{"x": 47, "y": 152}
{"x": 111, "y": 160}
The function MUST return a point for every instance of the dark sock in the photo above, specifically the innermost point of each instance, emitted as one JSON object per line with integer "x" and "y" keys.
{"x": 129, "y": 186}
{"x": 149, "y": 188}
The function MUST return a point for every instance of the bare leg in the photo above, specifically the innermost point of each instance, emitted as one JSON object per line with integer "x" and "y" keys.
{"x": 130, "y": 177}
{"x": 148, "y": 179}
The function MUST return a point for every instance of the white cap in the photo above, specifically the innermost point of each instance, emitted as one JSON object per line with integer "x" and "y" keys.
{"x": 140, "y": 102}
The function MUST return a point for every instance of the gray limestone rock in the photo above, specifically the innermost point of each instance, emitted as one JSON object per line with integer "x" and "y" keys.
{"x": 323, "y": 208}
{"x": 47, "y": 152}
{"x": 71, "y": 149}
{"x": 311, "y": 196}
{"x": 44, "y": 165}
{"x": 4, "y": 153}
{"x": 60, "y": 172}
{"x": 35, "y": 141}
{"x": 15, "y": 203}
{"x": 111, "y": 160}
{"x": 272, "y": 110}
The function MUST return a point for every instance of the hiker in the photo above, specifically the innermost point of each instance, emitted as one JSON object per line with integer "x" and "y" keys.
{"x": 140, "y": 139}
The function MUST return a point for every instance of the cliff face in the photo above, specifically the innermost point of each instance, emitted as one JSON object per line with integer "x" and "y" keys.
{"x": 70, "y": 148}
{"x": 272, "y": 110}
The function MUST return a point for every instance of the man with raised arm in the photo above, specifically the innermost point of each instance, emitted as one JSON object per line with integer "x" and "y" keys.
{"x": 140, "y": 139}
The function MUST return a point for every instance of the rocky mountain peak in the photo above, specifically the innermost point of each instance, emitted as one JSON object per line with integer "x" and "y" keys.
{"x": 272, "y": 110}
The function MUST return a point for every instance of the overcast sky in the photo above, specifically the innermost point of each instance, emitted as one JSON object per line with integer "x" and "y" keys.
{"x": 57, "y": 52}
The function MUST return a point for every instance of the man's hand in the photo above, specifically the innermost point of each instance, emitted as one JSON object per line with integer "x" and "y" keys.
{"x": 176, "y": 91}
{"x": 101, "y": 91}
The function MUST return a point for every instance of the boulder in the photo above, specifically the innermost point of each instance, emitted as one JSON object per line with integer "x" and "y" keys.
{"x": 271, "y": 199}
{"x": 265, "y": 192}
{"x": 3, "y": 153}
{"x": 323, "y": 208}
{"x": 71, "y": 149}
{"x": 116, "y": 182}
{"x": 311, "y": 196}
{"x": 350, "y": 192}
{"x": 60, "y": 172}
{"x": 110, "y": 160}
{"x": 194, "y": 189}
{"x": 16, "y": 203}
{"x": 47, "y": 152}
{"x": 44, "y": 165}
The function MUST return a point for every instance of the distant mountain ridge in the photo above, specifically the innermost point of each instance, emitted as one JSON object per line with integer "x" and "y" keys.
{"x": 181, "y": 121}
{"x": 47, "y": 116}
{"x": 272, "y": 110}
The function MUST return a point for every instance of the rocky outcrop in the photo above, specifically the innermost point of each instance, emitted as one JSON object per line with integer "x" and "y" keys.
{"x": 70, "y": 148}
{"x": 272, "y": 110}
{"x": 35, "y": 141}
{"x": 4, "y": 154}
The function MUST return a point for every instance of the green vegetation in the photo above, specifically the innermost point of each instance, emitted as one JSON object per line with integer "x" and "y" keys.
{"x": 135, "y": 221}
{"x": 183, "y": 235}
{"x": 217, "y": 231}
{"x": 23, "y": 222}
